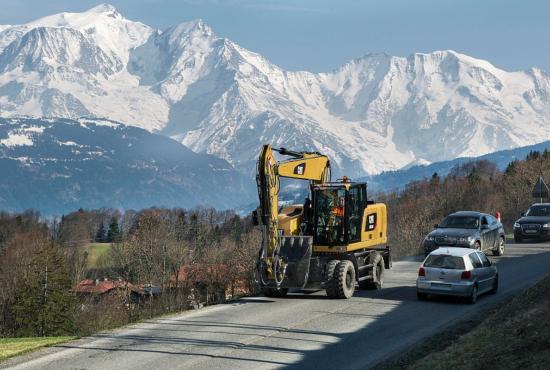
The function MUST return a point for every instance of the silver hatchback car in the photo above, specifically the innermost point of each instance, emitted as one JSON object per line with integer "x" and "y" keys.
{"x": 458, "y": 272}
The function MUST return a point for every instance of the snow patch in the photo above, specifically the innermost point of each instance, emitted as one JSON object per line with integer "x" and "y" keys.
{"x": 15, "y": 139}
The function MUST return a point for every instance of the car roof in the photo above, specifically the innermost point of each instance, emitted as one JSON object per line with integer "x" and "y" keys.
{"x": 453, "y": 251}
{"x": 541, "y": 204}
{"x": 467, "y": 213}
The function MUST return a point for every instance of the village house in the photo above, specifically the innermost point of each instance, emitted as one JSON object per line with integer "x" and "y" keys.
{"x": 116, "y": 291}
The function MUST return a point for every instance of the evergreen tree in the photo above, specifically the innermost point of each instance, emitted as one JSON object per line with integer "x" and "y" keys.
{"x": 113, "y": 235}
{"x": 435, "y": 180}
{"x": 533, "y": 154}
{"x": 236, "y": 228}
{"x": 181, "y": 225}
{"x": 100, "y": 234}
{"x": 44, "y": 305}
{"x": 511, "y": 168}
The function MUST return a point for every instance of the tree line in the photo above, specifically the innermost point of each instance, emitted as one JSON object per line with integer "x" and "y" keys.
{"x": 41, "y": 260}
{"x": 475, "y": 186}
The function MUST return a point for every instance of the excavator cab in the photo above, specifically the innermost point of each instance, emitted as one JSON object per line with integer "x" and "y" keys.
{"x": 338, "y": 213}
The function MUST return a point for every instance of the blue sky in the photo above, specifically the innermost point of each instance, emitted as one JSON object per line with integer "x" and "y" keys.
{"x": 320, "y": 35}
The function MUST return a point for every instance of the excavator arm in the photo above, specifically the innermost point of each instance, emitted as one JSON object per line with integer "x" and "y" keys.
{"x": 313, "y": 167}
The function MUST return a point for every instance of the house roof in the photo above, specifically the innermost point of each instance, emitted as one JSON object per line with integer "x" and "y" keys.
{"x": 101, "y": 286}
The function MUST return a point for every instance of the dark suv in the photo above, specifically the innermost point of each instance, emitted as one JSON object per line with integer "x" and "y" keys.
{"x": 533, "y": 224}
{"x": 468, "y": 230}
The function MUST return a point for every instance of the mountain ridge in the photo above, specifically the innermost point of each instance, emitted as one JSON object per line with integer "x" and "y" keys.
{"x": 59, "y": 165}
{"x": 373, "y": 114}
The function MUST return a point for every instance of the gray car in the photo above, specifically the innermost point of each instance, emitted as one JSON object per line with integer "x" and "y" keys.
{"x": 534, "y": 224}
{"x": 456, "y": 272}
{"x": 467, "y": 229}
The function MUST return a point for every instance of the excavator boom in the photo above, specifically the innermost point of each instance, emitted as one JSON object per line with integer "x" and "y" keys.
{"x": 313, "y": 167}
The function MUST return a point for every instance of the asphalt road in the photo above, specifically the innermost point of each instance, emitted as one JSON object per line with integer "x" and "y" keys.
{"x": 305, "y": 331}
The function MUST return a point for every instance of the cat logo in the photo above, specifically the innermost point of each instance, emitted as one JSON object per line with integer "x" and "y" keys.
{"x": 371, "y": 222}
{"x": 300, "y": 169}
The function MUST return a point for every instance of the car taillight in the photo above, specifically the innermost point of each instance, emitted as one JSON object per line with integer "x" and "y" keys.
{"x": 466, "y": 274}
{"x": 421, "y": 272}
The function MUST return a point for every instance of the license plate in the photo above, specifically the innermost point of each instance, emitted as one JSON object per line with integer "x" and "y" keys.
{"x": 441, "y": 286}
{"x": 531, "y": 231}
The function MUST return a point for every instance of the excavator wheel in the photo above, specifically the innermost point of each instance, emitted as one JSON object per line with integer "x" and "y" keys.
{"x": 342, "y": 283}
{"x": 377, "y": 273}
{"x": 331, "y": 284}
{"x": 274, "y": 292}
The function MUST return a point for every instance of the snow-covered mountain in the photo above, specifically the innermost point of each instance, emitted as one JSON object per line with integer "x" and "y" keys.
{"x": 375, "y": 113}
{"x": 59, "y": 165}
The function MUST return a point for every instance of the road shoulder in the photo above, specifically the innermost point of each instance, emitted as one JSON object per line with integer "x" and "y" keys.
{"x": 515, "y": 330}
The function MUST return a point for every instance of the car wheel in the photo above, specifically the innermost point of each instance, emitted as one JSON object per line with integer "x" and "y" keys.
{"x": 473, "y": 296}
{"x": 500, "y": 249}
{"x": 494, "y": 289}
{"x": 421, "y": 296}
{"x": 477, "y": 246}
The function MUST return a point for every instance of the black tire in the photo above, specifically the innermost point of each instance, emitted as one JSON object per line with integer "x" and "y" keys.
{"x": 377, "y": 273}
{"x": 477, "y": 246}
{"x": 494, "y": 289}
{"x": 331, "y": 283}
{"x": 345, "y": 278}
{"x": 274, "y": 292}
{"x": 421, "y": 296}
{"x": 518, "y": 239}
{"x": 500, "y": 249}
{"x": 473, "y": 295}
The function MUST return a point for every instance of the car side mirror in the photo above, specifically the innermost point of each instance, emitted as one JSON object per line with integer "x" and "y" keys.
{"x": 522, "y": 214}
{"x": 436, "y": 226}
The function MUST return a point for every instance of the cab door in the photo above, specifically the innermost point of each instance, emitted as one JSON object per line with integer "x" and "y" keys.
{"x": 355, "y": 204}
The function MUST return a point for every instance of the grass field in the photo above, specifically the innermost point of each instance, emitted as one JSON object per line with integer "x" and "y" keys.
{"x": 514, "y": 335}
{"x": 95, "y": 253}
{"x": 10, "y": 347}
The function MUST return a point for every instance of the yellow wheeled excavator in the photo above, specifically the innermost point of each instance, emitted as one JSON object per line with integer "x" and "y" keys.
{"x": 334, "y": 241}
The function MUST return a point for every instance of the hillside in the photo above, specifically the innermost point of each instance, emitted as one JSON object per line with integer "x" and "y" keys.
{"x": 59, "y": 165}
{"x": 515, "y": 335}
{"x": 396, "y": 180}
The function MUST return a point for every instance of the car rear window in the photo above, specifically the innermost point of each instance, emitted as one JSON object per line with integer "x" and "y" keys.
{"x": 444, "y": 261}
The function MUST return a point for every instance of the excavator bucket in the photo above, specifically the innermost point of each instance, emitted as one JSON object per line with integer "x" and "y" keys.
{"x": 296, "y": 252}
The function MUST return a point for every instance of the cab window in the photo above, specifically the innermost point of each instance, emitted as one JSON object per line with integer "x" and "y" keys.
{"x": 354, "y": 210}
{"x": 329, "y": 223}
